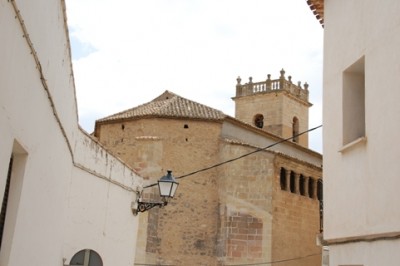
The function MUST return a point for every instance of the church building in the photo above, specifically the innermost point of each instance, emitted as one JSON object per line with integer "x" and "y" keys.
{"x": 250, "y": 189}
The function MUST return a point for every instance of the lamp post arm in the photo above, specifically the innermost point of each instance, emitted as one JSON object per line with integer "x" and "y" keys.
{"x": 145, "y": 206}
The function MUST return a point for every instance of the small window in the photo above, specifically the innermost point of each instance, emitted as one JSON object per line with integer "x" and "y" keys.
{"x": 321, "y": 204}
{"x": 295, "y": 130}
{"x": 319, "y": 190}
{"x": 353, "y": 102}
{"x": 283, "y": 178}
{"x": 259, "y": 120}
{"x": 292, "y": 182}
{"x": 86, "y": 257}
{"x": 302, "y": 182}
{"x": 310, "y": 187}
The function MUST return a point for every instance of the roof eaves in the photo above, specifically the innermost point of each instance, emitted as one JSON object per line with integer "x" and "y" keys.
{"x": 270, "y": 135}
{"x": 278, "y": 153}
{"x": 317, "y": 6}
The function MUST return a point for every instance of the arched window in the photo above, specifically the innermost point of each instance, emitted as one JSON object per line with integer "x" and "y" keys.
{"x": 295, "y": 130}
{"x": 259, "y": 120}
{"x": 283, "y": 178}
{"x": 86, "y": 257}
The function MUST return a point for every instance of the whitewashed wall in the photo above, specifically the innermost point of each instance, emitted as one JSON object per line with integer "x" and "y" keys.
{"x": 361, "y": 183}
{"x": 67, "y": 193}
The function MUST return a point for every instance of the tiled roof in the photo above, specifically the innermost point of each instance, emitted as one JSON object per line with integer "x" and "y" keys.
{"x": 169, "y": 104}
{"x": 317, "y": 6}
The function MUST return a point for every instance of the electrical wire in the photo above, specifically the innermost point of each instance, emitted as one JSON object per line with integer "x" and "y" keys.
{"x": 242, "y": 156}
{"x": 232, "y": 160}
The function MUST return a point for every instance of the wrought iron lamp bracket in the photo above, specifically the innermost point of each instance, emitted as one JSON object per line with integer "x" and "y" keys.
{"x": 167, "y": 186}
{"x": 142, "y": 206}
{"x": 145, "y": 206}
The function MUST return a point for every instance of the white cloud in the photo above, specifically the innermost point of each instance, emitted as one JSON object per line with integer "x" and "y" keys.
{"x": 194, "y": 48}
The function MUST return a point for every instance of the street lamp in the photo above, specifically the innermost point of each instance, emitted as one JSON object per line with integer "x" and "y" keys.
{"x": 167, "y": 186}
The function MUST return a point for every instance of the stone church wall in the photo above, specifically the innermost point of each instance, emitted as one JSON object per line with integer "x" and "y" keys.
{"x": 245, "y": 195}
{"x": 234, "y": 213}
{"x": 185, "y": 231}
{"x": 296, "y": 217}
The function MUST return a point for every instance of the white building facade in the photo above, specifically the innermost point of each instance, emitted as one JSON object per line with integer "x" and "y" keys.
{"x": 61, "y": 192}
{"x": 361, "y": 126}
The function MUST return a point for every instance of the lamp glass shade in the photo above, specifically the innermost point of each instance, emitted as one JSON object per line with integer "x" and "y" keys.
{"x": 167, "y": 185}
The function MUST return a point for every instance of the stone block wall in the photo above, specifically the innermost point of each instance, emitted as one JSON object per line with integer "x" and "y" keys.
{"x": 245, "y": 236}
{"x": 245, "y": 192}
{"x": 185, "y": 231}
{"x": 296, "y": 220}
{"x": 278, "y": 109}
{"x": 235, "y": 213}
{"x": 293, "y": 107}
{"x": 269, "y": 104}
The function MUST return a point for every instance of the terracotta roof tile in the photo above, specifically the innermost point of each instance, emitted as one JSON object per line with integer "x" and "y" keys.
{"x": 169, "y": 104}
{"x": 317, "y": 6}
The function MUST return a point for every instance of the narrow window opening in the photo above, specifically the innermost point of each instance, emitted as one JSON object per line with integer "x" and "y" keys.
{"x": 311, "y": 187}
{"x": 353, "y": 102}
{"x": 292, "y": 182}
{"x": 122, "y": 126}
{"x": 283, "y": 178}
{"x": 319, "y": 189}
{"x": 5, "y": 201}
{"x": 186, "y": 126}
{"x": 295, "y": 130}
{"x": 321, "y": 204}
{"x": 302, "y": 182}
{"x": 259, "y": 120}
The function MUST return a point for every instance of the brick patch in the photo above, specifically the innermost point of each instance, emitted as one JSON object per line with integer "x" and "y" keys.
{"x": 244, "y": 236}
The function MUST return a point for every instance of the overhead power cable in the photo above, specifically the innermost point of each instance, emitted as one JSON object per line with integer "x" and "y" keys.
{"x": 242, "y": 156}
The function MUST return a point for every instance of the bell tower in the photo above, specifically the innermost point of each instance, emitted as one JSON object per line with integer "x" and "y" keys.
{"x": 274, "y": 105}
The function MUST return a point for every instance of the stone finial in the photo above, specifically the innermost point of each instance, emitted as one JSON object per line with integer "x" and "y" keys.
{"x": 269, "y": 77}
{"x": 290, "y": 79}
{"x": 306, "y": 86}
{"x": 282, "y": 73}
{"x": 250, "y": 79}
{"x": 299, "y": 84}
{"x": 238, "y": 80}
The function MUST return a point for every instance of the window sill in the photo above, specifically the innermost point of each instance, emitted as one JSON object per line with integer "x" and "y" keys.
{"x": 353, "y": 144}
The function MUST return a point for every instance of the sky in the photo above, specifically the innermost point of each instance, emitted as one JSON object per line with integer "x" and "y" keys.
{"x": 128, "y": 52}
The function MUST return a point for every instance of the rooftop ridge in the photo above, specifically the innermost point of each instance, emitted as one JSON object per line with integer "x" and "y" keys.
{"x": 168, "y": 104}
